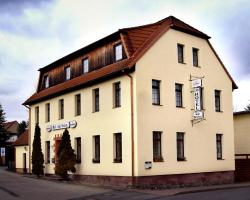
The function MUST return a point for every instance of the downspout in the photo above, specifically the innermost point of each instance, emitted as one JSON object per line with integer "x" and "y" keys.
{"x": 29, "y": 138}
{"x": 132, "y": 127}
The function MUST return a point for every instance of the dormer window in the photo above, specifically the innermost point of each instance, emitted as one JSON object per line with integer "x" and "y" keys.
{"x": 46, "y": 81}
{"x": 85, "y": 65}
{"x": 67, "y": 73}
{"x": 118, "y": 52}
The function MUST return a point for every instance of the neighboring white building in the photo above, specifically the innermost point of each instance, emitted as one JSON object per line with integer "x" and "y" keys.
{"x": 22, "y": 153}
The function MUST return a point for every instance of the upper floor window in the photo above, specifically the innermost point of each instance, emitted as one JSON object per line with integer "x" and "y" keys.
{"x": 217, "y": 100}
{"x": 47, "y": 112}
{"x": 156, "y": 92}
{"x": 180, "y": 52}
{"x": 178, "y": 95}
{"x": 96, "y": 105}
{"x": 61, "y": 109}
{"x": 85, "y": 65}
{"x": 67, "y": 73}
{"x": 195, "y": 57}
{"x": 37, "y": 115}
{"x": 117, "y": 94}
{"x": 46, "y": 81}
{"x": 78, "y": 104}
{"x": 118, "y": 52}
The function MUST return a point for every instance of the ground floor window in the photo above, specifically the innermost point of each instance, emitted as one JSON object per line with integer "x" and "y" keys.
{"x": 219, "y": 146}
{"x": 96, "y": 141}
{"x": 157, "y": 155}
{"x": 78, "y": 149}
{"x": 47, "y": 157}
{"x": 180, "y": 146}
{"x": 118, "y": 147}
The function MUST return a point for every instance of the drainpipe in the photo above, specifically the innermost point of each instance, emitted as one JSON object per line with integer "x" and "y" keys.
{"x": 132, "y": 126}
{"x": 29, "y": 138}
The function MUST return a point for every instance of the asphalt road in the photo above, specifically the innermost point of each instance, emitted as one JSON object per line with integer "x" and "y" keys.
{"x": 16, "y": 187}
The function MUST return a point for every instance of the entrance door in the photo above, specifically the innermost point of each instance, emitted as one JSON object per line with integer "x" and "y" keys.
{"x": 57, "y": 143}
{"x": 24, "y": 163}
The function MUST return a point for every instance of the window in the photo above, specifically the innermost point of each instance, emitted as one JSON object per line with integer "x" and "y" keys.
{"x": 219, "y": 146}
{"x": 78, "y": 104}
{"x": 118, "y": 52}
{"x": 156, "y": 92}
{"x": 217, "y": 100}
{"x": 37, "y": 115}
{"x": 178, "y": 95}
{"x": 47, "y": 112}
{"x": 117, "y": 94}
{"x": 78, "y": 149}
{"x": 67, "y": 73}
{"x": 195, "y": 57}
{"x": 180, "y": 147}
{"x": 46, "y": 81}
{"x": 85, "y": 65}
{"x": 47, "y": 152}
{"x": 96, "y": 158}
{"x": 180, "y": 52}
{"x": 96, "y": 106}
{"x": 61, "y": 109}
{"x": 118, "y": 147}
{"x": 157, "y": 157}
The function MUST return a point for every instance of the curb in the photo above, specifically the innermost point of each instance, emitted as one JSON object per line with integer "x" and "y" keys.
{"x": 211, "y": 189}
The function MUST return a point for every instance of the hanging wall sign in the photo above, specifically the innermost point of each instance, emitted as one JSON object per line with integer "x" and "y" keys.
{"x": 197, "y": 99}
{"x": 198, "y": 115}
{"x": 196, "y": 83}
{"x": 69, "y": 124}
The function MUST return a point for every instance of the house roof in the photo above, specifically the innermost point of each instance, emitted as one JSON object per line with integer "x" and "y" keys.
{"x": 23, "y": 139}
{"x": 7, "y": 125}
{"x": 136, "y": 41}
{"x": 242, "y": 112}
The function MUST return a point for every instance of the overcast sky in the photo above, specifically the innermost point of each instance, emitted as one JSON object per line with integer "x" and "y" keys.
{"x": 34, "y": 33}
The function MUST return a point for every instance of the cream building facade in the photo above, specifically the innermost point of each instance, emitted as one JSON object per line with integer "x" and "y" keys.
{"x": 141, "y": 108}
{"x": 242, "y": 132}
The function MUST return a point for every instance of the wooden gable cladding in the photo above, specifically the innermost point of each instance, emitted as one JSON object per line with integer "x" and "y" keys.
{"x": 98, "y": 58}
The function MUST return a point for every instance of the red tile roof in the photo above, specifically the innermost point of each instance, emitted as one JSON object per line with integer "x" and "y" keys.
{"x": 136, "y": 41}
{"x": 22, "y": 140}
{"x": 7, "y": 125}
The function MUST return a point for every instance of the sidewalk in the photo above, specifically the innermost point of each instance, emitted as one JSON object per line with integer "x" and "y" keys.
{"x": 156, "y": 192}
{"x": 186, "y": 190}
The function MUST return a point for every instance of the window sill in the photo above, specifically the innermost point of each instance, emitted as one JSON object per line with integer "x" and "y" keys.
{"x": 219, "y": 111}
{"x": 181, "y": 159}
{"x": 154, "y": 104}
{"x": 182, "y": 63}
{"x": 180, "y": 107}
{"x": 114, "y": 107}
{"x": 95, "y": 111}
{"x": 220, "y": 159}
{"x": 95, "y": 161}
{"x": 117, "y": 161}
{"x": 158, "y": 160}
{"x": 197, "y": 66}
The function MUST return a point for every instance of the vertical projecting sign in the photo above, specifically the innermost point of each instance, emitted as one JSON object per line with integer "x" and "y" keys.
{"x": 197, "y": 84}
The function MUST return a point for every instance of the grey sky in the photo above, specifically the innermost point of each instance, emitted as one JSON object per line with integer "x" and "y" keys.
{"x": 34, "y": 33}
